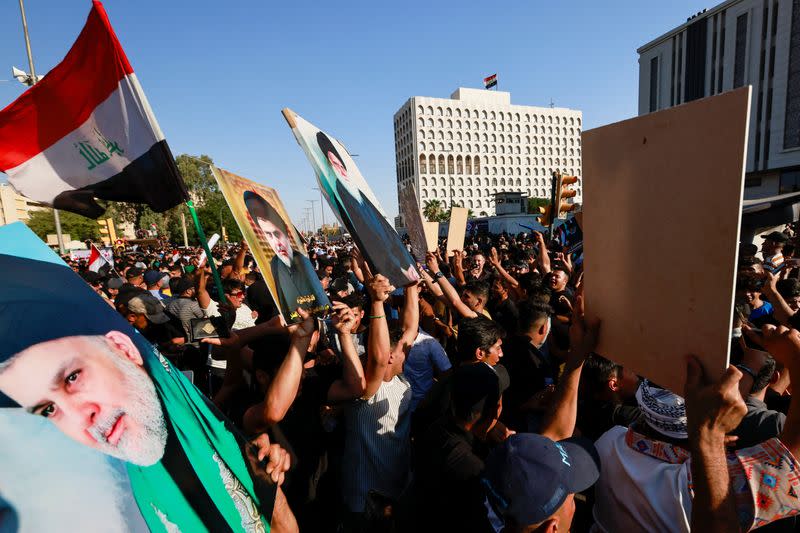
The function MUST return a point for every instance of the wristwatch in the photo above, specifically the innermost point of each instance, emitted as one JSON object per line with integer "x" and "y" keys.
{"x": 438, "y": 275}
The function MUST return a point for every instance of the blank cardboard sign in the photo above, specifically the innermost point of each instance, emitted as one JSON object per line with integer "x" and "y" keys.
{"x": 431, "y": 235}
{"x": 661, "y": 212}
{"x": 457, "y": 229}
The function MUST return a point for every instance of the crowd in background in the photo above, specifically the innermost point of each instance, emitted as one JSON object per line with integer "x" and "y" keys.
{"x": 473, "y": 400}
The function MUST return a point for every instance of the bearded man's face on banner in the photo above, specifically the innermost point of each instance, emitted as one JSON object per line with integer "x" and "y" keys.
{"x": 95, "y": 390}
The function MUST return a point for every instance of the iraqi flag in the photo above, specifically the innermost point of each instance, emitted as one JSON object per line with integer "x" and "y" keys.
{"x": 96, "y": 259}
{"x": 490, "y": 82}
{"x": 86, "y": 132}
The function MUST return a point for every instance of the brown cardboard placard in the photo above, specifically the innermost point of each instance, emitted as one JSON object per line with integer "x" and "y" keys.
{"x": 661, "y": 216}
{"x": 431, "y": 235}
{"x": 457, "y": 229}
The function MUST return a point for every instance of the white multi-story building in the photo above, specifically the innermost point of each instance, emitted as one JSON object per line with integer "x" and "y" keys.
{"x": 463, "y": 149}
{"x": 14, "y": 206}
{"x": 736, "y": 43}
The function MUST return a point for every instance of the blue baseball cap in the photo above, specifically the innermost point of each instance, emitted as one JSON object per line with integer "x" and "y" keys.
{"x": 529, "y": 477}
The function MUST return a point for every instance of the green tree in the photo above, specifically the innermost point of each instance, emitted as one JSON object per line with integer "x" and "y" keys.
{"x": 78, "y": 227}
{"x": 535, "y": 203}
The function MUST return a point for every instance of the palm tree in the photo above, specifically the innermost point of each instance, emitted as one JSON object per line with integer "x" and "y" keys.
{"x": 432, "y": 211}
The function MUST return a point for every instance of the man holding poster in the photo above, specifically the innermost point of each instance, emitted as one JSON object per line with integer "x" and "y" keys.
{"x": 354, "y": 204}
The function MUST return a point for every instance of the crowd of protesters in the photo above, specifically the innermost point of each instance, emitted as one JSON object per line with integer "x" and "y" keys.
{"x": 473, "y": 400}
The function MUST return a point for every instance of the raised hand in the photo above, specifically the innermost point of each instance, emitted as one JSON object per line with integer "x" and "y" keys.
{"x": 343, "y": 318}
{"x": 712, "y": 406}
{"x": 279, "y": 460}
{"x": 781, "y": 342}
{"x": 379, "y": 288}
{"x": 494, "y": 257}
{"x": 432, "y": 263}
{"x": 304, "y": 328}
{"x": 582, "y": 335}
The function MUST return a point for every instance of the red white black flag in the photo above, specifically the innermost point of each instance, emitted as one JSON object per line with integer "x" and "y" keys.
{"x": 86, "y": 132}
{"x": 96, "y": 259}
{"x": 490, "y": 82}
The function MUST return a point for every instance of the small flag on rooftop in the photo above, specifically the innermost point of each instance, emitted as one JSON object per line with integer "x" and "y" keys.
{"x": 490, "y": 82}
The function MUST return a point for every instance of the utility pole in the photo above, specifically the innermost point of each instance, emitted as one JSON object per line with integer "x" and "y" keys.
{"x": 321, "y": 205}
{"x": 308, "y": 218}
{"x": 56, "y": 217}
{"x": 313, "y": 216}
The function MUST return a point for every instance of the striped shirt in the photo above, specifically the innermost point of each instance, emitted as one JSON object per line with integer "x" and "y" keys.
{"x": 773, "y": 263}
{"x": 185, "y": 309}
{"x": 377, "y": 444}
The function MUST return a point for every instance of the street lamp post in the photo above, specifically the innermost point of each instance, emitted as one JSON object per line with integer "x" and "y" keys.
{"x": 56, "y": 217}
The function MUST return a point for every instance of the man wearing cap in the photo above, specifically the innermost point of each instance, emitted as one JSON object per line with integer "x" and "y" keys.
{"x": 154, "y": 280}
{"x": 112, "y": 287}
{"x": 135, "y": 277}
{"x": 183, "y": 305}
{"x": 531, "y": 481}
{"x": 772, "y": 251}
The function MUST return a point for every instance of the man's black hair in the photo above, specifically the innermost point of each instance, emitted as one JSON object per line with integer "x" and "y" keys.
{"x": 534, "y": 286}
{"x": 748, "y": 261}
{"x": 597, "y": 370}
{"x": 229, "y": 285}
{"x": 353, "y": 300}
{"x": 326, "y": 146}
{"x": 260, "y": 208}
{"x": 749, "y": 283}
{"x": 531, "y": 312}
{"x": 477, "y": 288}
{"x": 477, "y": 333}
{"x": 789, "y": 287}
{"x": 763, "y": 376}
{"x": 395, "y": 333}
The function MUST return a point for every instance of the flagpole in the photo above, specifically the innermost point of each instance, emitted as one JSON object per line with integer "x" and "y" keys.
{"x": 204, "y": 243}
{"x": 56, "y": 216}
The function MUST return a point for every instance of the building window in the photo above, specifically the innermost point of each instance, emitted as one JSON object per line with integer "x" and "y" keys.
{"x": 740, "y": 51}
{"x": 790, "y": 181}
{"x": 752, "y": 182}
{"x": 696, "y": 42}
{"x": 791, "y": 134}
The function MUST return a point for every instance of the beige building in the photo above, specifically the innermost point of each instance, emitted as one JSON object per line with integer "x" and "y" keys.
{"x": 14, "y": 206}
{"x": 464, "y": 149}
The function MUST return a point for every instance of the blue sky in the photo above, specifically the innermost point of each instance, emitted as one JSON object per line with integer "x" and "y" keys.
{"x": 217, "y": 75}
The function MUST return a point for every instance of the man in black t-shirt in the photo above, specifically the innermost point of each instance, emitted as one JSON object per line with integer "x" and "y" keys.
{"x": 532, "y": 373}
{"x": 448, "y": 492}
{"x": 503, "y": 309}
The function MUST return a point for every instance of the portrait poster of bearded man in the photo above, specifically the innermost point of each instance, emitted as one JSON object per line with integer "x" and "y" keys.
{"x": 275, "y": 244}
{"x": 354, "y": 203}
{"x": 67, "y": 356}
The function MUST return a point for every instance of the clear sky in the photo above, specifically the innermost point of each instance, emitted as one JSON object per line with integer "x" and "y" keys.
{"x": 218, "y": 73}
